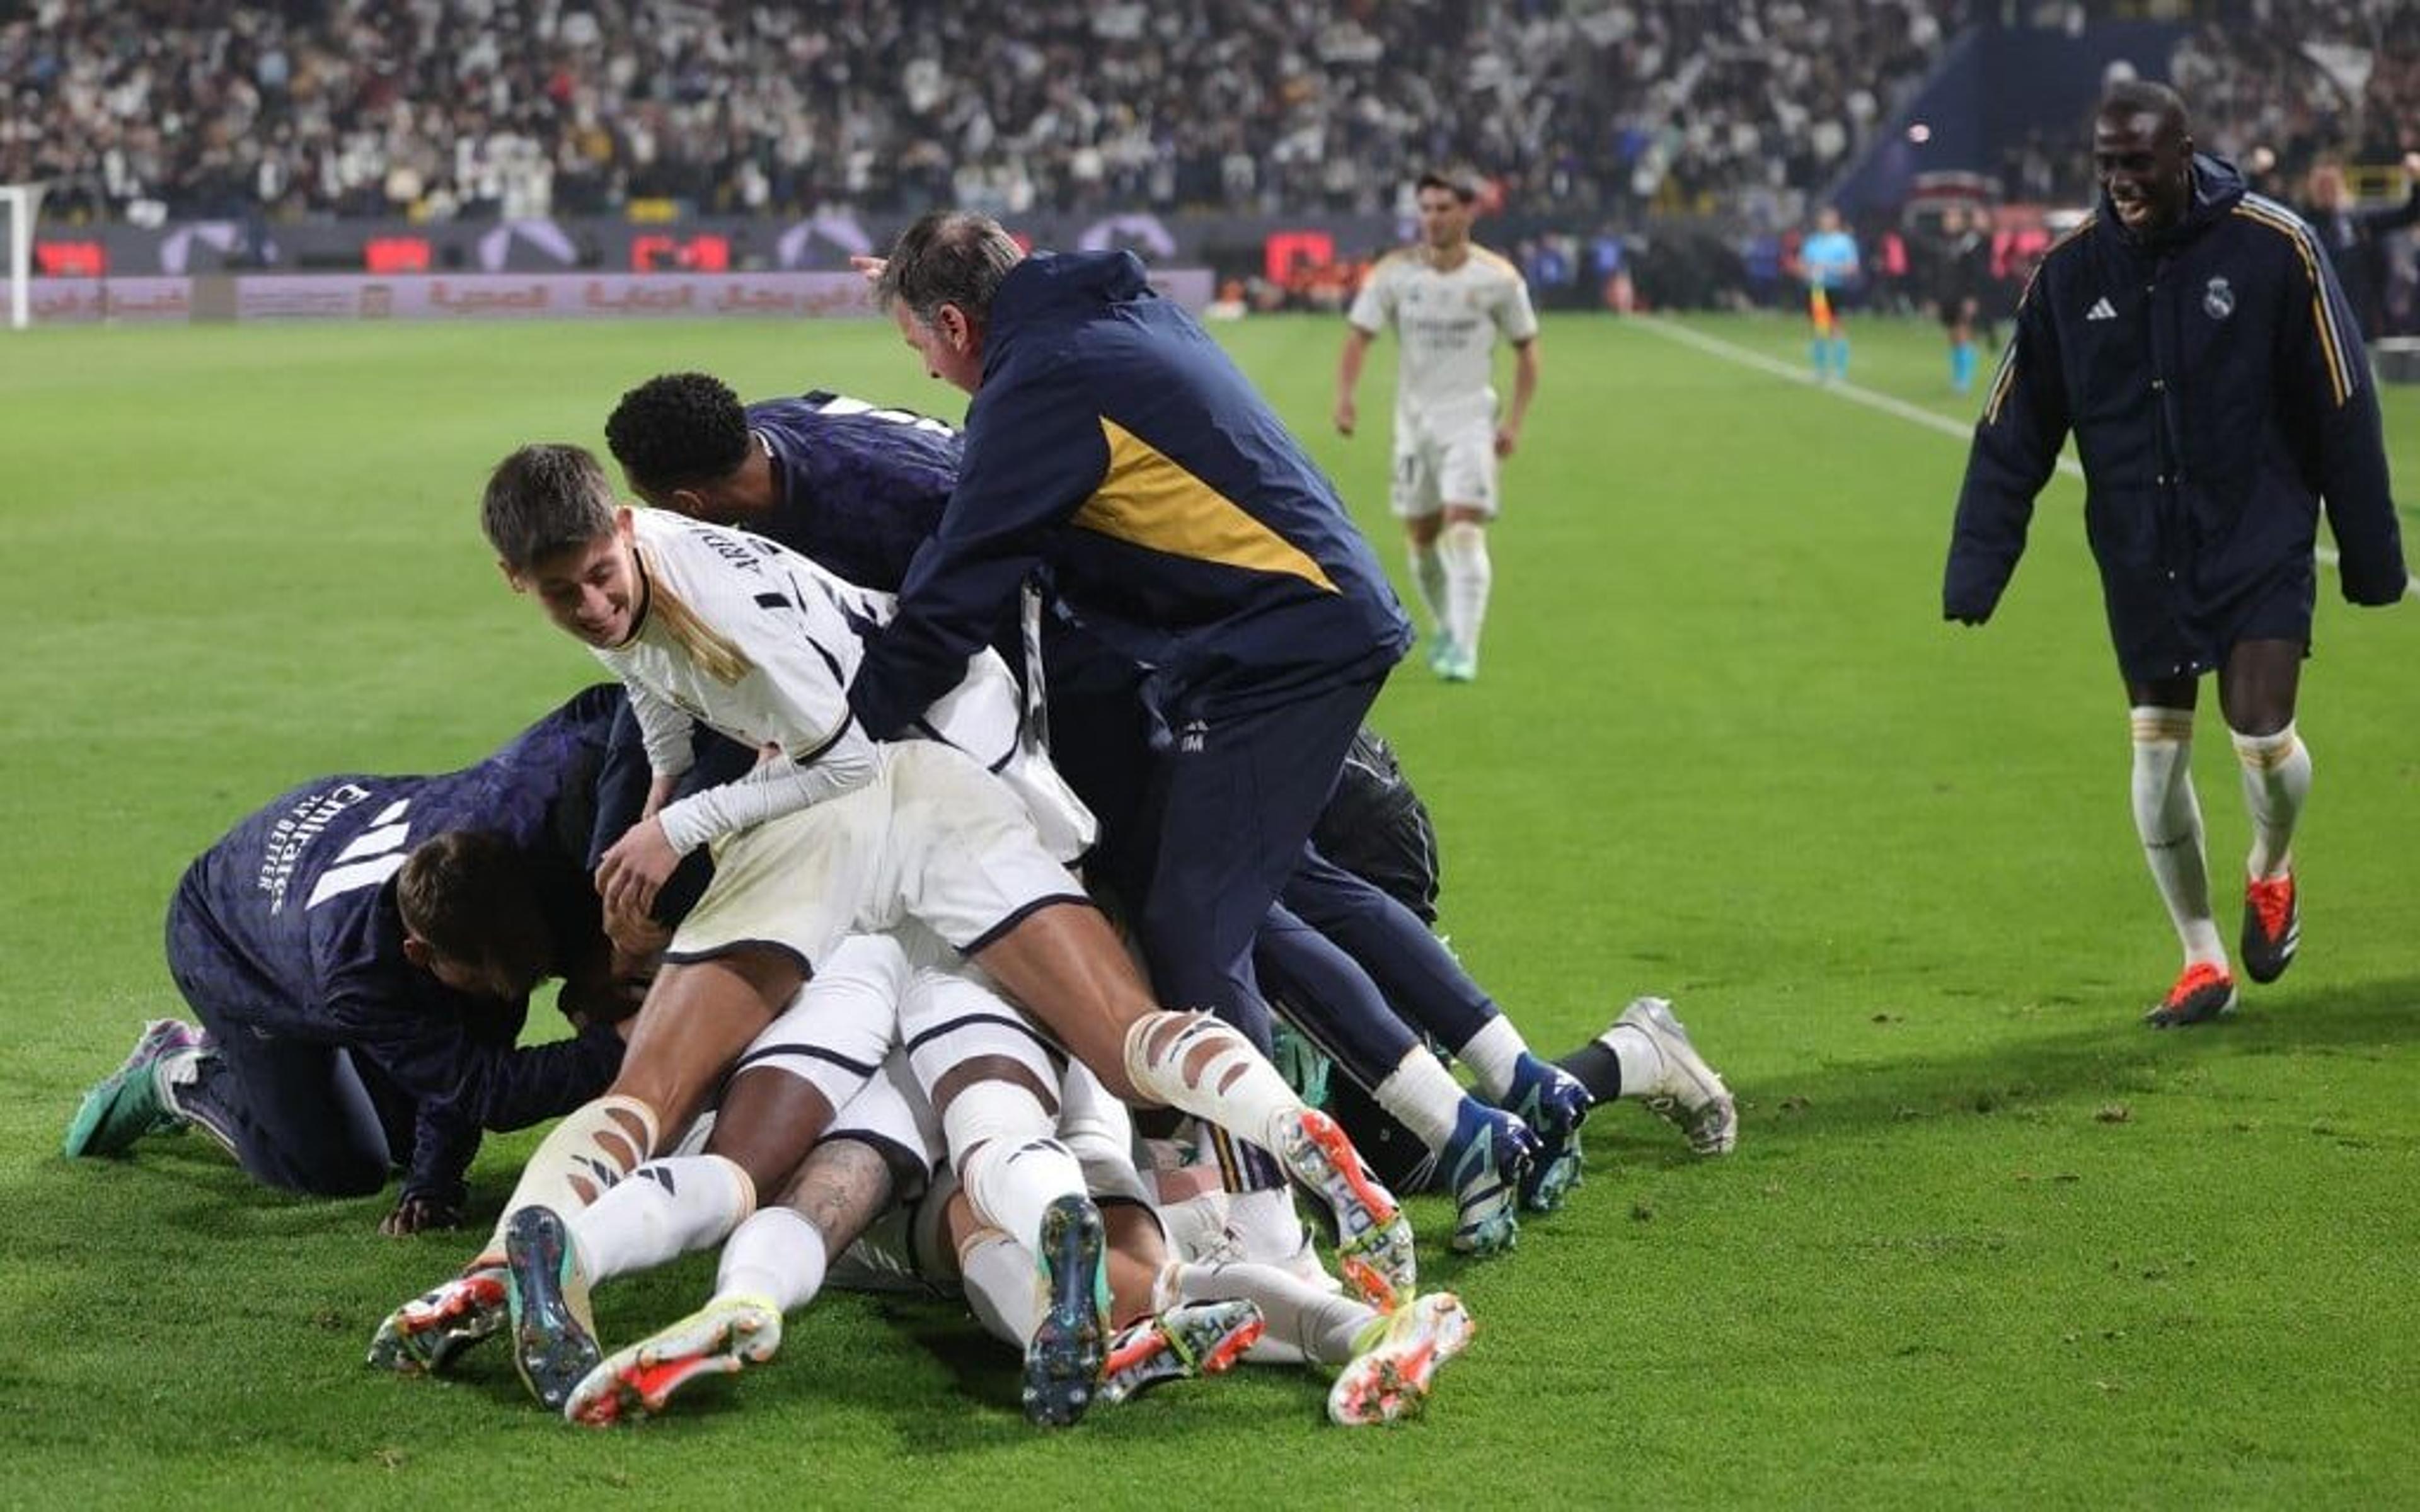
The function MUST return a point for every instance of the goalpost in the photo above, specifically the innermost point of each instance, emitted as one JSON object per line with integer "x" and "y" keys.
{"x": 20, "y": 203}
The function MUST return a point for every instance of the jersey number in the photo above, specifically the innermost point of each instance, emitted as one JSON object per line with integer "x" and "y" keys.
{"x": 375, "y": 855}
{"x": 840, "y": 404}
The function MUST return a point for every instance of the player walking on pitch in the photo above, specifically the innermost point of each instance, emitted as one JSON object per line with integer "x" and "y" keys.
{"x": 1449, "y": 299}
{"x": 2194, "y": 339}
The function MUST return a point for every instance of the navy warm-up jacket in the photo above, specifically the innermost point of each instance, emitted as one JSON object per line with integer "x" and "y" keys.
{"x": 1113, "y": 443}
{"x": 2218, "y": 393}
{"x": 288, "y": 926}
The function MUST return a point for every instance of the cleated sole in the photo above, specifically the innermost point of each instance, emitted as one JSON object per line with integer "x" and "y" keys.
{"x": 639, "y": 1382}
{"x": 553, "y": 1346}
{"x": 1064, "y": 1359}
{"x": 1556, "y": 1167}
{"x": 1197, "y": 1339}
{"x": 1392, "y": 1381}
{"x": 1552, "y": 1180}
{"x": 1373, "y": 1239}
{"x": 423, "y": 1337}
{"x": 2185, "y": 1015}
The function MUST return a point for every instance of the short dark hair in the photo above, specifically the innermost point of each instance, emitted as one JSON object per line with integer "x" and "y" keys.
{"x": 544, "y": 499}
{"x": 2142, "y": 97}
{"x": 1459, "y": 185}
{"x": 947, "y": 258}
{"x": 678, "y": 430}
{"x": 473, "y": 898}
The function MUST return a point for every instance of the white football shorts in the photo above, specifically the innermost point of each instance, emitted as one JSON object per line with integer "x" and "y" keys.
{"x": 1445, "y": 458}
{"x": 933, "y": 838}
{"x": 841, "y": 1027}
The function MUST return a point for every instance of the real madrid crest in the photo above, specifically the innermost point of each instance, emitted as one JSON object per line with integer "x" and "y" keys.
{"x": 2218, "y": 300}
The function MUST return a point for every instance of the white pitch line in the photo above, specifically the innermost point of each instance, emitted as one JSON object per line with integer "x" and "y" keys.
{"x": 1732, "y": 352}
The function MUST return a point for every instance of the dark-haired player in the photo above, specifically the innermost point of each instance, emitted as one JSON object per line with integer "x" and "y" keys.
{"x": 843, "y": 484}
{"x": 837, "y": 833}
{"x": 854, "y": 488}
{"x": 2192, "y": 336}
{"x": 361, "y": 954}
{"x": 1449, "y": 299}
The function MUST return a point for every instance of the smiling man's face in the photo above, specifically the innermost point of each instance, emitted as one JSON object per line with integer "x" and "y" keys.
{"x": 2145, "y": 160}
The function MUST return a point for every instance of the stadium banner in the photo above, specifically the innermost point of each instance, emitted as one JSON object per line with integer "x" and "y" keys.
{"x": 823, "y": 242}
{"x": 258, "y": 297}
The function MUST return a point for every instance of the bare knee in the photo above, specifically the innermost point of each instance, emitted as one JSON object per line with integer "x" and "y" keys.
{"x": 769, "y": 1120}
{"x": 698, "y": 1017}
{"x": 976, "y": 1068}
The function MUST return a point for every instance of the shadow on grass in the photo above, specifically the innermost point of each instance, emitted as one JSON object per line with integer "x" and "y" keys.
{"x": 2114, "y": 1056}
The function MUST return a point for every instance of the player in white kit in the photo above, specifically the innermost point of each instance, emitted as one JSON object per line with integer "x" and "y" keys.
{"x": 1449, "y": 299}
{"x": 837, "y": 833}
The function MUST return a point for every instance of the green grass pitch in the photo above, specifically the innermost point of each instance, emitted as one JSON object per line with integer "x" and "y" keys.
{"x": 1986, "y": 1241}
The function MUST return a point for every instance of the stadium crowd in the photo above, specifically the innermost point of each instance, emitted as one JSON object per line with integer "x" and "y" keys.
{"x": 467, "y": 107}
{"x": 444, "y": 108}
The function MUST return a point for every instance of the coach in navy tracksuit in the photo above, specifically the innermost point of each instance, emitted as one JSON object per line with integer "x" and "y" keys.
{"x": 1113, "y": 445}
{"x": 2195, "y": 340}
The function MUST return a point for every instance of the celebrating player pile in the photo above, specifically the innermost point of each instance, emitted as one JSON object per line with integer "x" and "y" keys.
{"x": 917, "y": 1034}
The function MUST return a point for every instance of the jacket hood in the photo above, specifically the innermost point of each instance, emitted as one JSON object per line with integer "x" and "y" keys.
{"x": 1057, "y": 281}
{"x": 2217, "y": 186}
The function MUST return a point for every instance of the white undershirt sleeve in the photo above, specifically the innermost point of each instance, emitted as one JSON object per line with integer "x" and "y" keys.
{"x": 664, "y": 731}
{"x": 780, "y": 786}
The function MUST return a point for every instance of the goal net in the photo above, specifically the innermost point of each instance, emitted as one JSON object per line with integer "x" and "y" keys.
{"x": 19, "y": 205}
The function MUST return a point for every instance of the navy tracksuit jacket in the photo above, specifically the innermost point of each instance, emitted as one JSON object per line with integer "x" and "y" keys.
{"x": 2217, "y": 389}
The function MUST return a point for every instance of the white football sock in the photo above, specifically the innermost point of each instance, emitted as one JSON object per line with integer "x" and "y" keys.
{"x": 179, "y": 1068}
{"x": 2168, "y": 818}
{"x": 578, "y": 1161}
{"x": 1195, "y": 1225}
{"x": 1312, "y": 1323}
{"x": 1264, "y": 1224}
{"x": 1003, "y": 1286}
{"x": 1468, "y": 574}
{"x": 1492, "y": 1055}
{"x": 1234, "y": 1087}
{"x": 1008, "y": 1157}
{"x": 2276, "y": 779}
{"x": 663, "y": 1210}
{"x": 1640, "y": 1062}
{"x": 777, "y": 1254}
{"x": 1428, "y": 583}
{"x": 1423, "y": 1095}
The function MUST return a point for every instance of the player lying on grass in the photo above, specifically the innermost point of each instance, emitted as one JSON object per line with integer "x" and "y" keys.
{"x": 838, "y": 833}
{"x": 361, "y": 954}
{"x": 856, "y": 489}
{"x": 886, "y": 1141}
{"x": 893, "y": 1225}
{"x": 996, "y": 1085}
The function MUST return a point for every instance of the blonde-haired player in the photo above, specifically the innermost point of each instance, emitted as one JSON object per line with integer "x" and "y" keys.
{"x": 1449, "y": 299}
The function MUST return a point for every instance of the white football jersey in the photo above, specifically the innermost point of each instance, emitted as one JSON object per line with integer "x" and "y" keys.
{"x": 758, "y": 643}
{"x": 1446, "y": 324}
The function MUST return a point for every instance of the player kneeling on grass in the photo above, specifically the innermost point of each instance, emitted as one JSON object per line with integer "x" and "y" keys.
{"x": 361, "y": 954}
{"x": 837, "y": 833}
